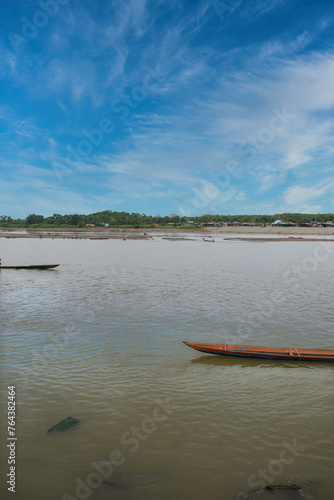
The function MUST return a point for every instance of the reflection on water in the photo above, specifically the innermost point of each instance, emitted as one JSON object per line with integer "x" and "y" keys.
{"x": 249, "y": 362}
{"x": 100, "y": 339}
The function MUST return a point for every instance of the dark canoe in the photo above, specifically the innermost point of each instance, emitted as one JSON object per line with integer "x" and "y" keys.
{"x": 265, "y": 352}
{"x": 38, "y": 266}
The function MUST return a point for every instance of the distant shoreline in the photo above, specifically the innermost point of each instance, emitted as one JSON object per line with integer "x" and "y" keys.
{"x": 97, "y": 233}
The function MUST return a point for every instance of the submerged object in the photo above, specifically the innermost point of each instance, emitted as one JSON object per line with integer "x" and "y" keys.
{"x": 64, "y": 424}
{"x": 291, "y": 487}
{"x": 250, "y": 351}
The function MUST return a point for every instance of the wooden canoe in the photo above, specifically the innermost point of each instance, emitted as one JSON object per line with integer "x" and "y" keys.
{"x": 37, "y": 266}
{"x": 250, "y": 351}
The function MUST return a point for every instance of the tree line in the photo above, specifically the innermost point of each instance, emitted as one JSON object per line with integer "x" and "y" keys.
{"x": 136, "y": 220}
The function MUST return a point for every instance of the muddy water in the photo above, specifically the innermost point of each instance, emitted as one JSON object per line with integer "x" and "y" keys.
{"x": 100, "y": 339}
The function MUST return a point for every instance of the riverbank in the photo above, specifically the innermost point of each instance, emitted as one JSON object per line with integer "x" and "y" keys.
{"x": 140, "y": 233}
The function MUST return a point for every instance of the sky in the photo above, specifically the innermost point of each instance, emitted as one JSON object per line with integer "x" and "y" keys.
{"x": 161, "y": 107}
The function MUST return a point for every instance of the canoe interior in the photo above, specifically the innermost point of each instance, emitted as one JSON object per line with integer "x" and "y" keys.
{"x": 265, "y": 352}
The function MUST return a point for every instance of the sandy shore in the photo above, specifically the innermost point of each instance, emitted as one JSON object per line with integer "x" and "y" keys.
{"x": 97, "y": 233}
{"x": 292, "y": 239}
{"x": 311, "y": 231}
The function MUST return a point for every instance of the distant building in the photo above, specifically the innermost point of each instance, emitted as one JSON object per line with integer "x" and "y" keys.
{"x": 211, "y": 224}
{"x": 283, "y": 224}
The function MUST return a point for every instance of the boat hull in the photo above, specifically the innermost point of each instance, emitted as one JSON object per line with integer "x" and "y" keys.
{"x": 41, "y": 266}
{"x": 247, "y": 351}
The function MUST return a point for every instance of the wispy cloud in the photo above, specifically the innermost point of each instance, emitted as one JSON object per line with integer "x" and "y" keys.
{"x": 256, "y": 8}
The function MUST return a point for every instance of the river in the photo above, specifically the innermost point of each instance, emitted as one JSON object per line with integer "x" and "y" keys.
{"x": 100, "y": 339}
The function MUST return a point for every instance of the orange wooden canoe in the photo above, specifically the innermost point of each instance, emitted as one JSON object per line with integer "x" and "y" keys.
{"x": 250, "y": 351}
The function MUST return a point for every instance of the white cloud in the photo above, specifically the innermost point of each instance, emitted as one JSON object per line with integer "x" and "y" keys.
{"x": 301, "y": 196}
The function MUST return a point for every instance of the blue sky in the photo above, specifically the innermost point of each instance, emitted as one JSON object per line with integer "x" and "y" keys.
{"x": 161, "y": 107}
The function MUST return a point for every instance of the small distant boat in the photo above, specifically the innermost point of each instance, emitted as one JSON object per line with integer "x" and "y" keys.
{"x": 208, "y": 239}
{"x": 248, "y": 351}
{"x": 37, "y": 266}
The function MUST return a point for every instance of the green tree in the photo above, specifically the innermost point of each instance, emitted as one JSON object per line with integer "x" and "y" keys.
{"x": 34, "y": 219}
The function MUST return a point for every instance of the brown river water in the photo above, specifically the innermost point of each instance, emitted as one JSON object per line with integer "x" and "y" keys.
{"x": 100, "y": 339}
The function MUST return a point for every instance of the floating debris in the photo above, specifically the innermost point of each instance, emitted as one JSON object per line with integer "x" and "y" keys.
{"x": 291, "y": 487}
{"x": 64, "y": 424}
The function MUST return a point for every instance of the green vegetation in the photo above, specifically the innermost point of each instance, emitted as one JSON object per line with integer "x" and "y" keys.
{"x": 136, "y": 220}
